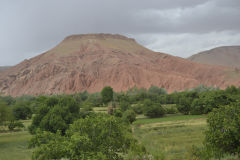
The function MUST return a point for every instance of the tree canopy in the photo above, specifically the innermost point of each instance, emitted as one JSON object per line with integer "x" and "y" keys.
{"x": 99, "y": 136}
{"x": 107, "y": 94}
{"x": 223, "y": 134}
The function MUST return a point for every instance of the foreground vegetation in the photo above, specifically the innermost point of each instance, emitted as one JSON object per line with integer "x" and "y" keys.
{"x": 171, "y": 137}
{"x": 137, "y": 124}
{"x": 14, "y": 145}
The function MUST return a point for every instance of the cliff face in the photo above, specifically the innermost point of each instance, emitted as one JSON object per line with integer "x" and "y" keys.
{"x": 226, "y": 56}
{"x": 91, "y": 62}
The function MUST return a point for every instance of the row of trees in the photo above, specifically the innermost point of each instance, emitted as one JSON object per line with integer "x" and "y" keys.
{"x": 63, "y": 129}
{"x": 63, "y": 123}
{"x": 192, "y": 102}
{"x": 149, "y": 102}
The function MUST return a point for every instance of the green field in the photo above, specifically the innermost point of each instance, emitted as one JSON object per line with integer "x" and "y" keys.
{"x": 13, "y": 145}
{"x": 100, "y": 109}
{"x": 143, "y": 120}
{"x": 169, "y": 137}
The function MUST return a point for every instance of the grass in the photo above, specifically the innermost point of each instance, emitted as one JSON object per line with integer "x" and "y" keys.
{"x": 13, "y": 145}
{"x": 100, "y": 109}
{"x": 145, "y": 120}
{"x": 171, "y": 137}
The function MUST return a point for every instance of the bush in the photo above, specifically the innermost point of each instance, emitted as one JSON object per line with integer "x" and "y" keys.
{"x": 5, "y": 112}
{"x": 202, "y": 153}
{"x": 154, "y": 110}
{"x": 86, "y": 107}
{"x": 129, "y": 116}
{"x": 57, "y": 117}
{"x": 197, "y": 107}
{"x": 118, "y": 113}
{"x": 15, "y": 124}
{"x": 124, "y": 106}
{"x": 223, "y": 133}
{"x": 183, "y": 109}
{"x": 171, "y": 110}
{"x": 22, "y": 111}
{"x": 100, "y": 137}
{"x": 107, "y": 94}
{"x": 157, "y": 91}
{"x": 138, "y": 108}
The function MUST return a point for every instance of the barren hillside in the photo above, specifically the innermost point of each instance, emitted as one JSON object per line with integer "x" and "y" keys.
{"x": 90, "y": 62}
{"x": 225, "y": 56}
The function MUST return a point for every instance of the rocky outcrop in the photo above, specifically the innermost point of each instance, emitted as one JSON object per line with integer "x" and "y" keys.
{"x": 90, "y": 62}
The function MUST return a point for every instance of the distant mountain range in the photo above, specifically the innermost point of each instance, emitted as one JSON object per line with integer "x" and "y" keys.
{"x": 92, "y": 61}
{"x": 225, "y": 56}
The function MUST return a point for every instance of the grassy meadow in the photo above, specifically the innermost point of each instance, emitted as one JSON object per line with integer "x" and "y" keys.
{"x": 13, "y": 145}
{"x": 169, "y": 137}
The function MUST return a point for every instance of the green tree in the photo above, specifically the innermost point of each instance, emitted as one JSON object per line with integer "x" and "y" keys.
{"x": 223, "y": 133}
{"x": 129, "y": 116}
{"x": 124, "y": 105}
{"x": 107, "y": 94}
{"x": 157, "y": 91}
{"x": 138, "y": 108}
{"x": 8, "y": 100}
{"x": 21, "y": 110}
{"x": 100, "y": 137}
{"x": 15, "y": 124}
{"x": 57, "y": 117}
{"x": 5, "y": 113}
{"x": 117, "y": 113}
{"x": 154, "y": 110}
{"x": 95, "y": 99}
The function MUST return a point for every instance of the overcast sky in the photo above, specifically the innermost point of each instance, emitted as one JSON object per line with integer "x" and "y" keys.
{"x": 177, "y": 27}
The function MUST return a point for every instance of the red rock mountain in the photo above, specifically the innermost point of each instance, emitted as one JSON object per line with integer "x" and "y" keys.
{"x": 225, "y": 56}
{"x": 92, "y": 61}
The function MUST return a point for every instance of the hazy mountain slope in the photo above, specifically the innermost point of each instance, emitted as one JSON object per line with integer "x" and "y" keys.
{"x": 90, "y": 62}
{"x": 226, "y": 56}
{"x": 2, "y": 68}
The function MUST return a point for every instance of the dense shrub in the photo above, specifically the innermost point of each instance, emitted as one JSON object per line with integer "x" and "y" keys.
{"x": 55, "y": 113}
{"x": 129, "y": 116}
{"x": 5, "y": 112}
{"x": 124, "y": 105}
{"x": 22, "y": 110}
{"x": 183, "y": 109}
{"x": 107, "y": 94}
{"x": 100, "y": 137}
{"x": 156, "y": 90}
{"x": 138, "y": 108}
{"x": 223, "y": 133}
{"x": 118, "y": 113}
{"x": 95, "y": 99}
{"x": 171, "y": 110}
{"x": 15, "y": 124}
{"x": 154, "y": 110}
{"x": 86, "y": 106}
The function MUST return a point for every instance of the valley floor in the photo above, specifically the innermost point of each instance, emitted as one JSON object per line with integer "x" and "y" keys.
{"x": 169, "y": 137}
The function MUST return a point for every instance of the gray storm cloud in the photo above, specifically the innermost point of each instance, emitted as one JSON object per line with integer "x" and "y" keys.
{"x": 179, "y": 27}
